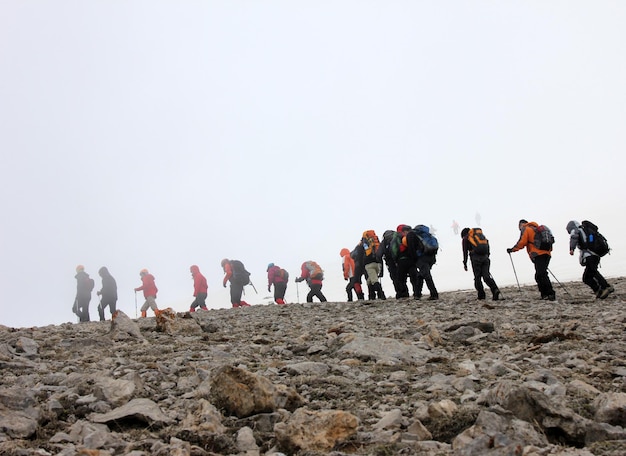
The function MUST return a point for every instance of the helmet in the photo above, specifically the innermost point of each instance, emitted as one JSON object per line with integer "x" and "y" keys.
{"x": 80, "y": 267}
{"x": 271, "y": 265}
{"x": 224, "y": 261}
{"x": 143, "y": 271}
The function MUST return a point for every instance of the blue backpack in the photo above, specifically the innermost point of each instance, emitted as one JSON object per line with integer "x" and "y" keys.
{"x": 430, "y": 245}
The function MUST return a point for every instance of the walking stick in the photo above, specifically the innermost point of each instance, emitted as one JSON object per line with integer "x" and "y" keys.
{"x": 298, "y": 292}
{"x": 135, "y": 305}
{"x": 515, "y": 272}
{"x": 557, "y": 281}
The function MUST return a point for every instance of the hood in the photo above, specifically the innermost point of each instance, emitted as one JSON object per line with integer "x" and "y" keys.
{"x": 194, "y": 269}
{"x": 104, "y": 272}
{"x": 572, "y": 225}
{"x": 465, "y": 232}
{"x": 401, "y": 227}
{"x": 344, "y": 252}
{"x": 531, "y": 224}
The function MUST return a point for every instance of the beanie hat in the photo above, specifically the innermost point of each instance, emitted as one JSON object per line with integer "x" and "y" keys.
{"x": 80, "y": 267}
{"x": 271, "y": 265}
{"x": 143, "y": 271}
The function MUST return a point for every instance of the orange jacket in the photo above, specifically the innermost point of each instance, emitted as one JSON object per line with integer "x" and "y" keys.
{"x": 348, "y": 264}
{"x": 527, "y": 239}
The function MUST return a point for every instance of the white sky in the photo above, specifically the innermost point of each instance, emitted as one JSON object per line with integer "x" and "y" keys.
{"x": 152, "y": 134}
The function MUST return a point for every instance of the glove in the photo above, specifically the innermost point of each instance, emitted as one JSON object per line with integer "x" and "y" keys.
{"x": 299, "y": 279}
{"x": 224, "y": 283}
{"x": 98, "y": 293}
{"x": 345, "y": 278}
{"x": 509, "y": 250}
{"x": 465, "y": 266}
{"x": 269, "y": 288}
{"x": 380, "y": 274}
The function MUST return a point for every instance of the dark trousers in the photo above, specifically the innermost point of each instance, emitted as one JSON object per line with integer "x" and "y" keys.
{"x": 541, "y": 263}
{"x": 200, "y": 301}
{"x": 480, "y": 267}
{"x": 82, "y": 306}
{"x": 592, "y": 276}
{"x": 315, "y": 291}
{"x": 406, "y": 268}
{"x": 236, "y": 290}
{"x": 354, "y": 284}
{"x": 424, "y": 263}
{"x": 280, "y": 288}
{"x": 393, "y": 274}
{"x": 104, "y": 302}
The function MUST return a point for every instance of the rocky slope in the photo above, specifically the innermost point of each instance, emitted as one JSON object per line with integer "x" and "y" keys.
{"x": 452, "y": 377}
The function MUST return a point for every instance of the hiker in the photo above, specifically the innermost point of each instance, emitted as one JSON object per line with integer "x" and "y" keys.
{"x": 313, "y": 274}
{"x": 278, "y": 277}
{"x": 84, "y": 286}
{"x": 358, "y": 255}
{"x": 200, "y": 289}
{"x": 479, "y": 257}
{"x": 590, "y": 260}
{"x": 539, "y": 257}
{"x": 108, "y": 293}
{"x": 149, "y": 288}
{"x": 427, "y": 247}
{"x": 404, "y": 249}
{"x": 348, "y": 268}
{"x": 455, "y": 227}
{"x": 235, "y": 272}
{"x": 373, "y": 266}
{"x": 384, "y": 253}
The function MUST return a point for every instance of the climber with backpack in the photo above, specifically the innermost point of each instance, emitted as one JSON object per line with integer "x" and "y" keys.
{"x": 384, "y": 254}
{"x": 108, "y": 293}
{"x": 427, "y": 248}
{"x": 278, "y": 277}
{"x": 538, "y": 240}
{"x": 373, "y": 266}
{"x": 150, "y": 290}
{"x": 404, "y": 252}
{"x": 476, "y": 246}
{"x": 592, "y": 246}
{"x": 348, "y": 267}
{"x": 235, "y": 273}
{"x": 84, "y": 287}
{"x": 312, "y": 273}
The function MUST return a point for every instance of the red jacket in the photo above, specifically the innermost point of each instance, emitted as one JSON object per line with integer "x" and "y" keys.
{"x": 274, "y": 276}
{"x": 149, "y": 287}
{"x": 199, "y": 281}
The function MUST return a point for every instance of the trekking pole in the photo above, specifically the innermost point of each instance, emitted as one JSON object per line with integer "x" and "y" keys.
{"x": 562, "y": 286}
{"x": 298, "y": 292}
{"x": 253, "y": 287}
{"x": 515, "y": 272}
{"x": 135, "y": 305}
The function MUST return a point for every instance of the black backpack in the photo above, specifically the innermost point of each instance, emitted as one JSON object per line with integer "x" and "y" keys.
{"x": 480, "y": 244}
{"x": 239, "y": 272}
{"x": 544, "y": 239}
{"x": 594, "y": 241}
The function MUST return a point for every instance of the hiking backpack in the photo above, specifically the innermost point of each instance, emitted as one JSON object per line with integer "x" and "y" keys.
{"x": 430, "y": 245}
{"x": 239, "y": 272}
{"x": 370, "y": 242}
{"x": 480, "y": 244}
{"x": 594, "y": 241}
{"x": 543, "y": 238}
{"x": 396, "y": 247}
{"x": 315, "y": 271}
{"x": 283, "y": 274}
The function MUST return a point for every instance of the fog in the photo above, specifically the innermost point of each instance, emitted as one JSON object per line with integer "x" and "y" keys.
{"x": 164, "y": 134}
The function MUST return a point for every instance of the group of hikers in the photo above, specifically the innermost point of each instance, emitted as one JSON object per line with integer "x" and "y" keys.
{"x": 407, "y": 253}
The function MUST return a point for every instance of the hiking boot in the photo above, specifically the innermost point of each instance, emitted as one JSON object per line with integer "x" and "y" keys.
{"x": 192, "y": 309}
{"x": 606, "y": 292}
{"x": 497, "y": 296}
{"x": 551, "y": 297}
{"x": 481, "y": 297}
{"x": 143, "y": 314}
{"x": 235, "y": 305}
{"x": 244, "y": 304}
{"x": 204, "y": 308}
{"x": 433, "y": 297}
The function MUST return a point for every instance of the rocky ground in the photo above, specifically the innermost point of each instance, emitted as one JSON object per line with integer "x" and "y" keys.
{"x": 452, "y": 377}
